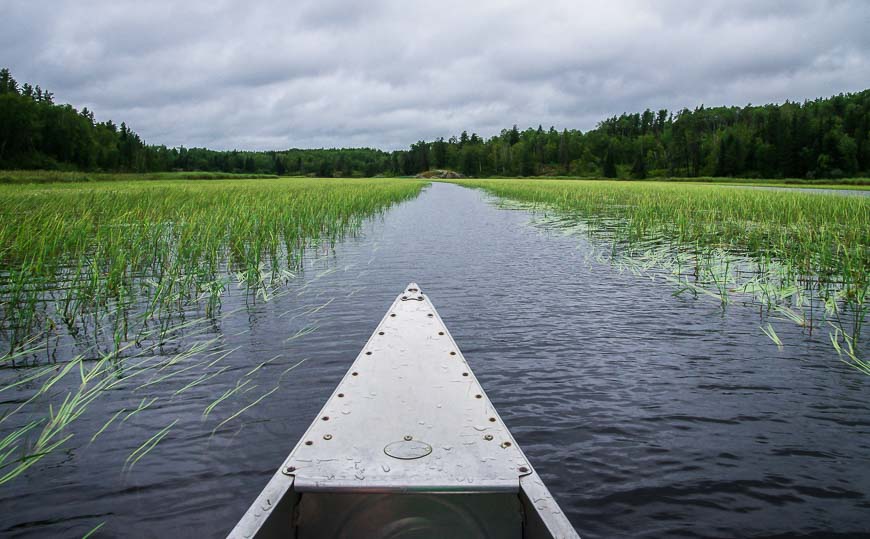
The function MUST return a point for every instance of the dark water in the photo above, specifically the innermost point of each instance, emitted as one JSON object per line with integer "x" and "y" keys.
{"x": 811, "y": 190}
{"x": 647, "y": 415}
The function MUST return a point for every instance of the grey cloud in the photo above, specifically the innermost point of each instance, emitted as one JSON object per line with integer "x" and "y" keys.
{"x": 272, "y": 74}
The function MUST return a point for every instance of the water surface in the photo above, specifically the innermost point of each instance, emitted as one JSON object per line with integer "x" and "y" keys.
{"x": 812, "y": 190}
{"x": 647, "y": 415}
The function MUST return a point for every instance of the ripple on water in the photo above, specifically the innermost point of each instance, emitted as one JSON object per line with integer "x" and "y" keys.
{"x": 645, "y": 414}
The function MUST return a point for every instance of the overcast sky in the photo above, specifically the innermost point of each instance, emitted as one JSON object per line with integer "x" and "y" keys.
{"x": 272, "y": 74}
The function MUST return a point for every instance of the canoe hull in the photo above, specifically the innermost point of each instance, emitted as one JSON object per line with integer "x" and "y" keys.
{"x": 408, "y": 445}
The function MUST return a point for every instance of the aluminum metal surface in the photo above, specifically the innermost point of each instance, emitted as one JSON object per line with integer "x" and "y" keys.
{"x": 409, "y": 383}
{"x": 408, "y": 442}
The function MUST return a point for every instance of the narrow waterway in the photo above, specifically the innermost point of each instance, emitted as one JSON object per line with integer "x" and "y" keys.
{"x": 647, "y": 415}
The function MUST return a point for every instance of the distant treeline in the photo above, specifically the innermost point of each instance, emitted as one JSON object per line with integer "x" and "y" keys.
{"x": 824, "y": 138}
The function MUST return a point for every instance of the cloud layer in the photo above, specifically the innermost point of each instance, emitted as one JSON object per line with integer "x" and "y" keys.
{"x": 275, "y": 74}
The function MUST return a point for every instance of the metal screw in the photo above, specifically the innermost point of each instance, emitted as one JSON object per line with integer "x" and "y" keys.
{"x": 464, "y": 374}
{"x": 523, "y": 469}
{"x": 430, "y": 315}
{"x": 380, "y": 332}
{"x": 325, "y": 418}
{"x": 354, "y": 373}
{"x": 368, "y": 353}
{"x": 308, "y": 442}
{"x": 492, "y": 419}
{"x": 488, "y": 437}
{"x": 408, "y": 437}
{"x": 327, "y": 436}
{"x": 440, "y": 333}
{"x": 478, "y": 396}
{"x": 452, "y": 353}
{"x": 340, "y": 395}
{"x": 506, "y": 444}
{"x": 393, "y": 315}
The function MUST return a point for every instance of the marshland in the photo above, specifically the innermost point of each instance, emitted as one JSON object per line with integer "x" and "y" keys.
{"x": 800, "y": 256}
{"x": 661, "y": 286}
{"x": 167, "y": 327}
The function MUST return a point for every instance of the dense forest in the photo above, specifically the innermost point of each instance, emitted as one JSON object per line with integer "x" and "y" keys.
{"x": 823, "y": 138}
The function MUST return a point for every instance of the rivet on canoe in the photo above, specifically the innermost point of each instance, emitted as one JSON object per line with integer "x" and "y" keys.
{"x": 290, "y": 469}
{"x": 506, "y": 444}
{"x": 327, "y": 436}
{"x": 380, "y": 332}
{"x": 354, "y": 373}
{"x": 452, "y": 353}
{"x": 430, "y": 315}
{"x": 478, "y": 396}
{"x": 408, "y": 437}
{"x": 393, "y": 315}
{"x": 309, "y": 442}
{"x": 440, "y": 333}
{"x": 464, "y": 374}
{"x": 325, "y": 418}
{"x": 488, "y": 437}
{"x": 404, "y": 297}
{"x": 523, "y": 469}
{"x": 492, "y": 420}
{"x": 369, "y": 353}
{"x": 340, "y": 395}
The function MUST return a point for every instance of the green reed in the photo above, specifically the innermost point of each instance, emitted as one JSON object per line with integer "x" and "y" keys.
{"x": 778, "y": 247}
{"x": 71, "y": 253}
{"x": 117, "y": 264}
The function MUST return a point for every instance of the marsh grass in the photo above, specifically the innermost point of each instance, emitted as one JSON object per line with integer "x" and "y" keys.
{"x": 819, "y": 183}
{"x": 105, "y": 258}
{"x": 127, "y": 271}
{"x": 802, "y": 258}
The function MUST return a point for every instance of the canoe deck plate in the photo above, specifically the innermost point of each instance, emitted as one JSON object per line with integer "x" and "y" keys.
{"x": 408, "y": 449}
{"x": 409, "y": 415}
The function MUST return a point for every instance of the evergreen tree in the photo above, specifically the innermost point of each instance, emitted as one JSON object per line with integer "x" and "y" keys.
{"x": 820, "y": 138}
{"x": 8, "y": 85}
